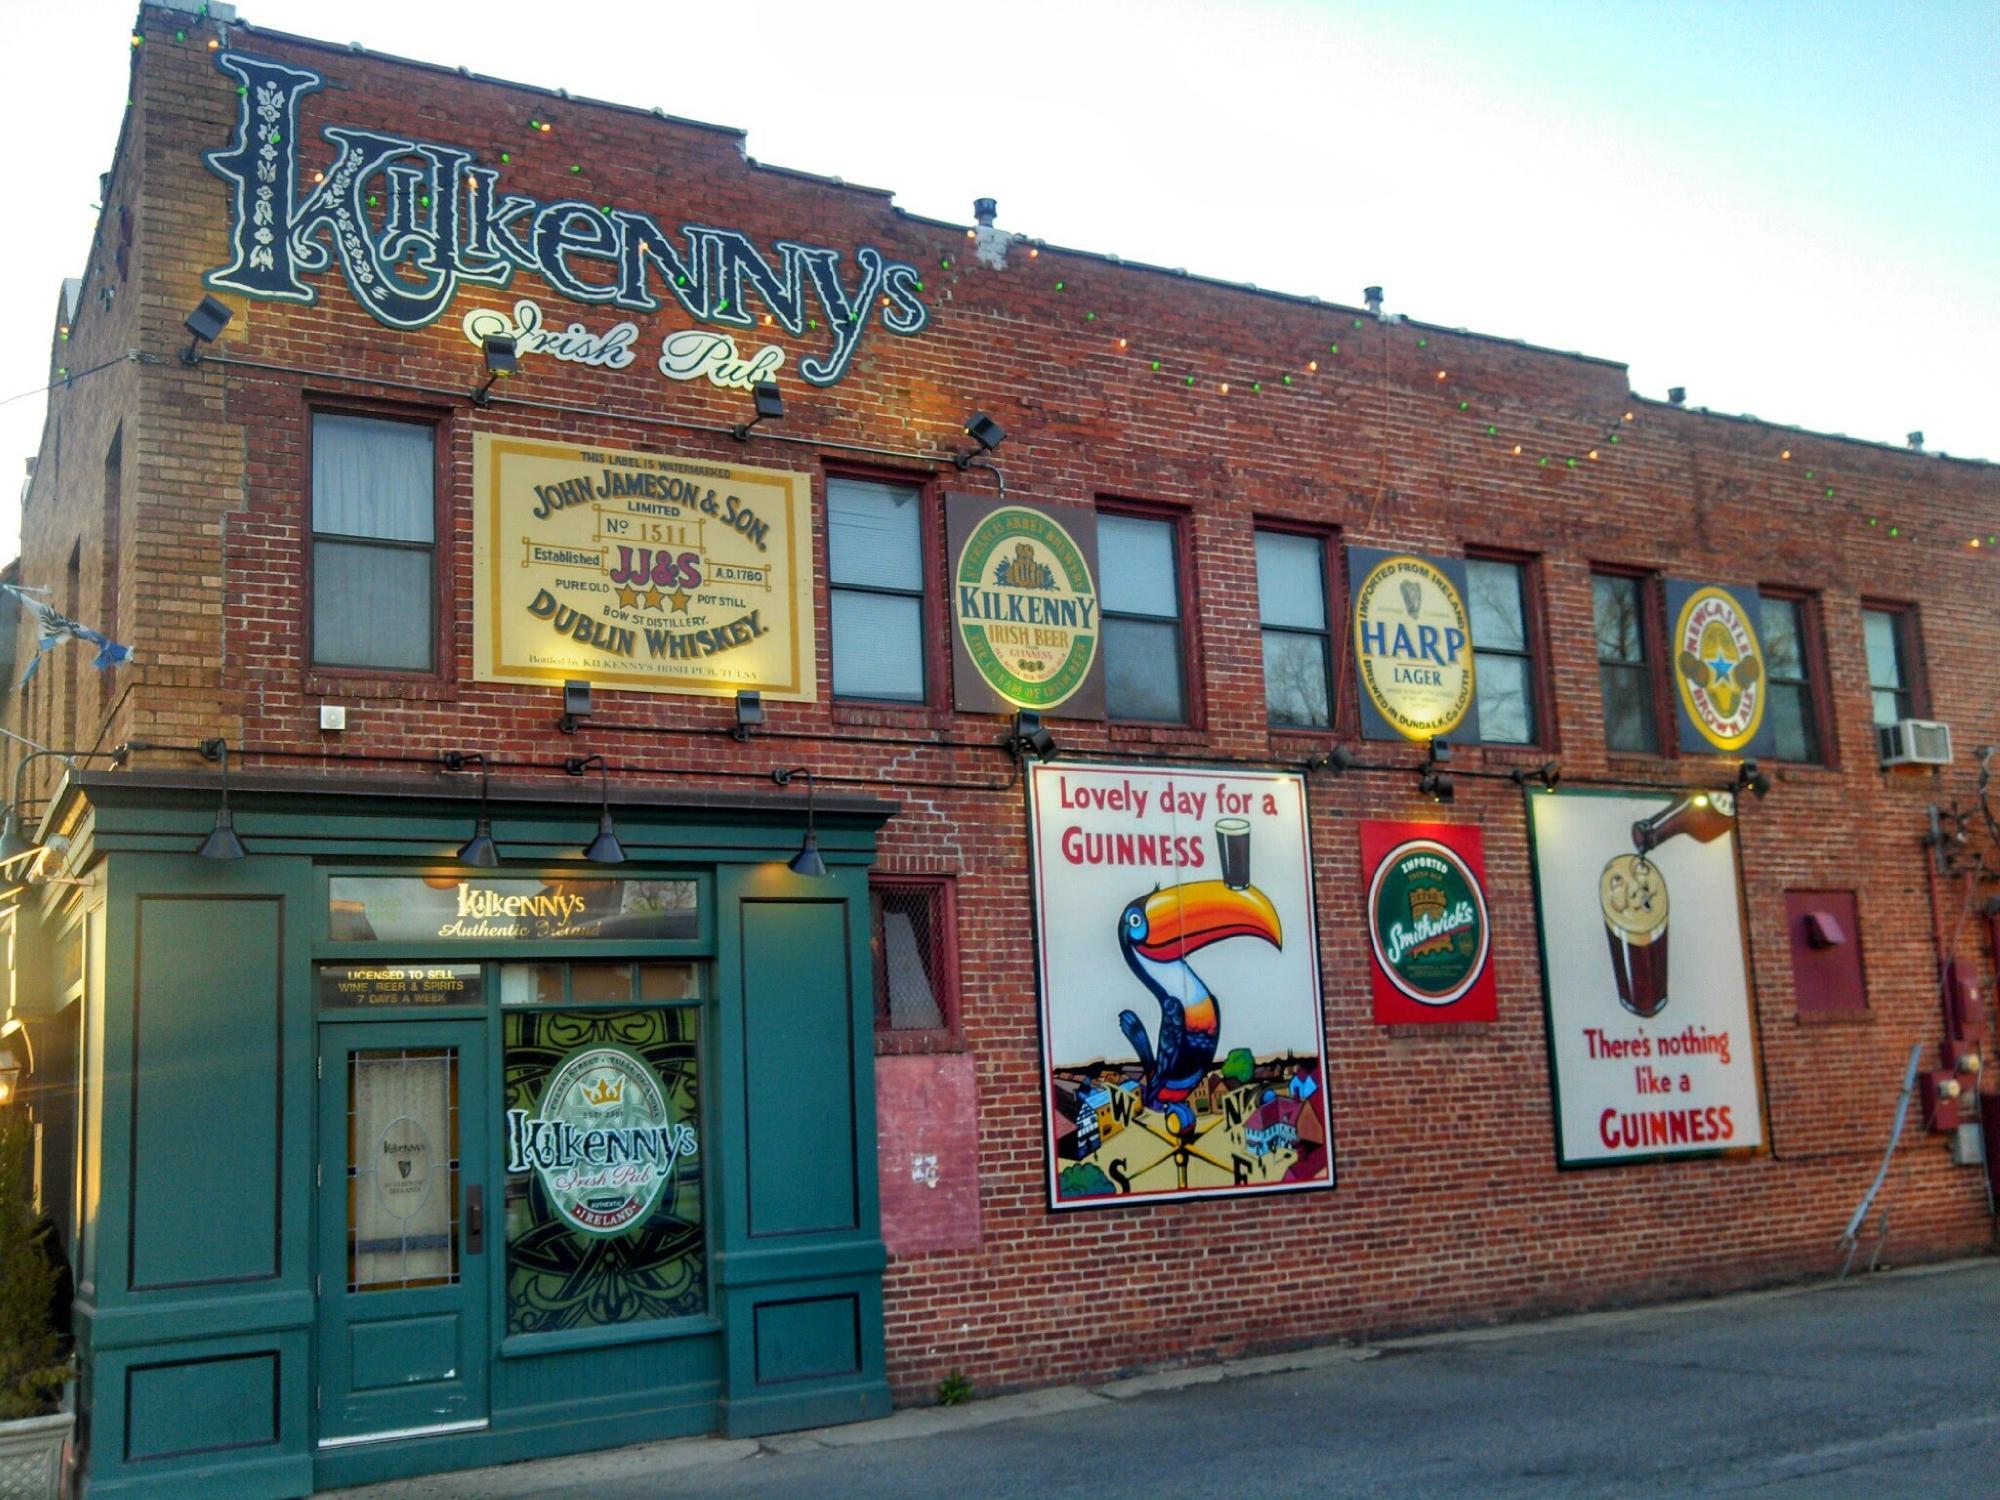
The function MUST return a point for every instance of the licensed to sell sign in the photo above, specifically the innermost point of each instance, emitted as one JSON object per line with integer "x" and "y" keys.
{"x": 1412, "y": 646}
{"x": 640, "y": 571}
{"x": 374, "y": 986}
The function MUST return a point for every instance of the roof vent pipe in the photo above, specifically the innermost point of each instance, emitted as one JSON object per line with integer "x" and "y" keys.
{"x": 1374, "y": 296}
{"x": 984, "y": 210}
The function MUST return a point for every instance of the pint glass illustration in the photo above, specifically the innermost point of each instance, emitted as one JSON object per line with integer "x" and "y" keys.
{"x": 1633, "y": 897}
{"x": 1232, "y": 845}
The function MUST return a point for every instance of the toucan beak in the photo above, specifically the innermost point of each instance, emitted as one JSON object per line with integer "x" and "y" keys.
{"x": 1183, "y": 918}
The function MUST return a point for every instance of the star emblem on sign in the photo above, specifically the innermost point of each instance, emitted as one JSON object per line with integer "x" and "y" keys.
{"x": 629, "y": 598}
{"x": 653, "y": 598}
{"x": 1721, "y": 666}
{"x": 679, "y": 600}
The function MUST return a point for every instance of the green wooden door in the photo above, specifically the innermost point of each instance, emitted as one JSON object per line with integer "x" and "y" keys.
{"x": 403, "y": 1240}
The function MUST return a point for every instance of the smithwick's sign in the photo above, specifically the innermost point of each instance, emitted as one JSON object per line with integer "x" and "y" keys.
{"x": 412, "y": 222}
{"x": 640, "y": 570}
{"x": 601, "y": 1140}
{"x": 1025, "y": 606}
{"x": 1430, "y": 937}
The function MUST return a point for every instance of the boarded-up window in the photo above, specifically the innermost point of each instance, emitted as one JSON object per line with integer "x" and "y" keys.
{"x": 916, "y": 970}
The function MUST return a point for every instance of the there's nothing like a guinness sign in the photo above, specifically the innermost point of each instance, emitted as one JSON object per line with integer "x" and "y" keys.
{"x": 1412, "y": 646}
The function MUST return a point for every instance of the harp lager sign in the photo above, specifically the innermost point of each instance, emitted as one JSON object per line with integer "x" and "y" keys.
{"x": 1412, "y": 646}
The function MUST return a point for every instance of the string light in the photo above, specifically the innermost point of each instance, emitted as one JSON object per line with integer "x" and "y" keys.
{"x": 1121, "y": 343}
{"x": 1312, "y": 367}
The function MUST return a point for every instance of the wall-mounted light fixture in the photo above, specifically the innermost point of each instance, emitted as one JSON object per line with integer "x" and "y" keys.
{"x": 15, "y": 841}
{"x": 605, "y": 848}
{"x": 479, "y": 851}
{"x": 204, "y": 325}
{"x": 1750, "y": 779}
{"x": 988, "y": 434}
{"x": 749, "y": 714}
{"x": 1336, "y": 760}
{"x": 576, "y": 704}
{"x": 1030, "y": 736}
{"x": 1432, "y": 782}
{"x": 222, "y": 842}
{"x": 503, "y": 358}
{"x": 807, "y": 861}
{"x": 770, "y": 402}
{"x": 1548, "y": 774}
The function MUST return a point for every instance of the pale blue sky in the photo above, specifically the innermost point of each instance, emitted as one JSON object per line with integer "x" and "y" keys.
{"x": 1789, "y": 208}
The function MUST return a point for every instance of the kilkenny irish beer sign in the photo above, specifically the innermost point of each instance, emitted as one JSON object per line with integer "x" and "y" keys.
{"x": 1179, "y": 968}
{"x": 1025, "y": 608}
{"x": 640, "y": 570}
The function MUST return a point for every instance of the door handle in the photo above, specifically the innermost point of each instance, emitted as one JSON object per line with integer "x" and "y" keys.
{"x": 475, "y": 1219}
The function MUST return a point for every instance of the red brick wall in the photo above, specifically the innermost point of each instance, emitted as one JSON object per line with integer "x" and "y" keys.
{"x": 1449, "y": 1207}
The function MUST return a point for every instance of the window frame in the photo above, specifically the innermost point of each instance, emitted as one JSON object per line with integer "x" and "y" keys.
{"x": 1335, "y": 601}
{"x": 889, "y": 1041}
{"x": 1536, "y": 654}
{"x": 1819, "y": 688}
{"x": 439, "y": 419}
{"x": 1909, "y": 654}
{"x": 1653, "y": 639}
{"x": 930, "y": 599}
{"x": 1185, "y": 595}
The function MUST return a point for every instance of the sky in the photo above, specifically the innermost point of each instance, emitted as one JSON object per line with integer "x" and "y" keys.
{"x": 1789, "y": 207}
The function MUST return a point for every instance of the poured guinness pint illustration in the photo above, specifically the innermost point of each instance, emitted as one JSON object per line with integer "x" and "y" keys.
{"x": 1232, "y": 844}
{"x": 1634, "y": 900}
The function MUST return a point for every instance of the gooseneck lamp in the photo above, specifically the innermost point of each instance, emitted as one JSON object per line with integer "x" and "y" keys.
{"x": 222, "y": 842}
{"x": 479, "y": 851}
{"x": 605, "y": 848}
{"x": 14, "y": 840}
{"x": 807, "y": 861}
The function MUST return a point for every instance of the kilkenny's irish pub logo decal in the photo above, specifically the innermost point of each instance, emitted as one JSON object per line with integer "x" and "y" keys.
{"x": 601, "y": 1139}
{"x": 1026, "y": 607}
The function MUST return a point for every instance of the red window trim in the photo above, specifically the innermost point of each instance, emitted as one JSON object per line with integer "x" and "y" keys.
{"x": 1812, "y": 642}
{"x": 1334, "y": 585}
{"x": 1653, "y": 626}
{"x": 1910, "y": 641}
{"x": 1186, "y": 595}
{"x": 931, "y": 550}
{"x": 951, "y": 1036}
{"x": 1547, "y": 733}
{"x": 442, "y": 678}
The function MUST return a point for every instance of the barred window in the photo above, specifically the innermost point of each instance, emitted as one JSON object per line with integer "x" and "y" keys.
{"x": 911, "y": 934}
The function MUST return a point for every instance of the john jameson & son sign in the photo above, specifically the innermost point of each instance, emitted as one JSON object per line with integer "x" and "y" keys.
{"x": 411, "y": 222}
{"x": 639, "y": 570}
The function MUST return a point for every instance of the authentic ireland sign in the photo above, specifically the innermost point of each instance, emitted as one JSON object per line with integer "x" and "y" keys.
{"x": 640, "y": 571}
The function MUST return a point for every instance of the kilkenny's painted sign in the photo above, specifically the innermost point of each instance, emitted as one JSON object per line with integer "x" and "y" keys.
{"x": 410, "y": 223}
{"x": 639, "y": 570}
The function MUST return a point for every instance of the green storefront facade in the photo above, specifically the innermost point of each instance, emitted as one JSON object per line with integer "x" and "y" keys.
{"x": 389, "y": 1165}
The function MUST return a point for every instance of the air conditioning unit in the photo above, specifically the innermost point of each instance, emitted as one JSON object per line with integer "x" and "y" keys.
{"x": 1915, "y": 742}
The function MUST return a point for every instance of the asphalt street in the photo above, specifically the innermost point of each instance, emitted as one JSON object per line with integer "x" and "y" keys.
{"x": 1886, "y": 1386}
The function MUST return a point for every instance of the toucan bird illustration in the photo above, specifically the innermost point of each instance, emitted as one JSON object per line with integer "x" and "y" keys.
{"x": 1156, "y": 933}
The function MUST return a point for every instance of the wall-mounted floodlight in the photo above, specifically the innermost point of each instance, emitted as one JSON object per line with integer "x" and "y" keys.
{"x": 605, "y": 848}
{"x": 503, "y": 358}
{"x": 1432, "y": 782}
{"x": 205, "y": 324}
{"x": 1030, "y": 736}
{"x": 749, "y": 714}
{"x": 1548, "y": 773}
{"x": 770, "y": 402}
{"x": 1336, "y": 760}
{"x": 576, "y": 704}
{"x": 1749, "y": 778}
{"x": 988, "y": 434}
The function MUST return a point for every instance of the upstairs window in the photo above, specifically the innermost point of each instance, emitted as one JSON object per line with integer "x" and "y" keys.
{"x": 374, "y": 544}
{"x": 1891, "y": 662}
{"x": 1503, "y": 655}
{"x": 1624, "y": 670}
{"x": 875, "y": 593}
{"x": 1790, "y": 670}
{"x": 1145, "y": 659}
{"x": 1291, "y": 608}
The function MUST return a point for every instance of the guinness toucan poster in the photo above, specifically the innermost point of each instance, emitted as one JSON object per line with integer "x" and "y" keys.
{"x": 1183, "y": 1041}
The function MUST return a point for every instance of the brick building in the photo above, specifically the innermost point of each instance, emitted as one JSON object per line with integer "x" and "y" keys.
{"x": 383, "y": 1149}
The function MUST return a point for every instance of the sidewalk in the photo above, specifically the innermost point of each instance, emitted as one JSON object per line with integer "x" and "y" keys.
{"x": 1715, "y": 1394}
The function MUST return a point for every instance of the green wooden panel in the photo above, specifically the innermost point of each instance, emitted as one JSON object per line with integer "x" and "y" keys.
{"x": 798, "y": 1068}
{"x": 809, "y": 1338}
{"x": 405, "y": 1351}
{"x": 201, "y": 1406}
{"x": 206, "y": 1121}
